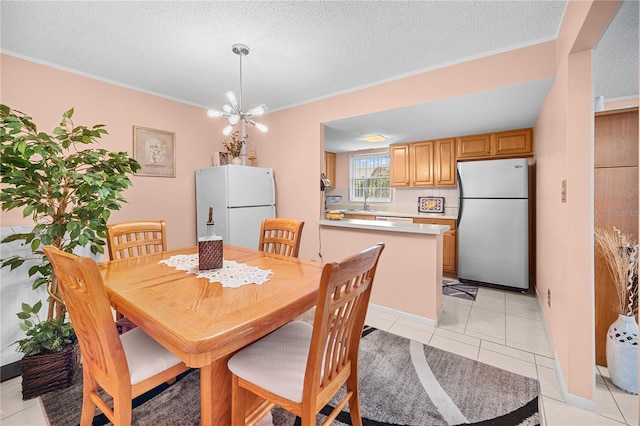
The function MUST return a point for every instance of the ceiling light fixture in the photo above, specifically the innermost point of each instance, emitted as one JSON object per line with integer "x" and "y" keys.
{"x": 374, "y": 138}
{"x": 233, "y": 110}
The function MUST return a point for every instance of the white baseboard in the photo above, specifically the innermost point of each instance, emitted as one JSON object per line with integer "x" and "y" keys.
{"x": 573, "y": 400}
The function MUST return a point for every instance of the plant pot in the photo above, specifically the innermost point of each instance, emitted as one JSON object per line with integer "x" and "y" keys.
{"x": 237, "y": 161}
{"x": 49, "y": 372}
{"x": 622, "y": 353}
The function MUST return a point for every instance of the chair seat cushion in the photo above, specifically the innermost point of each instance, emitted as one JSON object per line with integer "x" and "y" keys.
{"x": 277, "y": 362}
{"x": 145, "y": 356}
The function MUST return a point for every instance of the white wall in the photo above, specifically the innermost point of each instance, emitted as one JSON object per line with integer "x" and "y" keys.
{"x": 15, "y": 288}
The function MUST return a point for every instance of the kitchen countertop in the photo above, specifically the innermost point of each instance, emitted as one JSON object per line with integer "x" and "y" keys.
{"x": 393, "y": 210}
{"x": 384, "y": 226}
{"x": 446, "y": 215}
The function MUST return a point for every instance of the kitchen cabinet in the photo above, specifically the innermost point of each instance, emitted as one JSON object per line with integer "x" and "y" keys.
{"x": 615, "y": 204}
{"x": 399, "y": 165}
{"x": 616, "y": 138}
{"x": 507, "y": 144}
{"x": 425, "y": 163}
{"x": 449, "y": 243}
{"x": 330, "y": 167}
{"x": 421, "y": 163}
{"x": 473, "y": 147}
{"x": 444, "y": 164}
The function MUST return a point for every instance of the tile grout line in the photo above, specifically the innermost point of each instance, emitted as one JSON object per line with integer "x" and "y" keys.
{"x": 615, "y": 401}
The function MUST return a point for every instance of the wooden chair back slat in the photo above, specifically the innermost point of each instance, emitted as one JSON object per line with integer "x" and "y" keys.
{"x": 136, "y": 238}
{"x": 131, "y": 239}
{"x": 281, "y": 236}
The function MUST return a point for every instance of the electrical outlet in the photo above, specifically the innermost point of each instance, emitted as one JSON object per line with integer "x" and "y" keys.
{"x": 549, "y": 297}
{"x": 563, "y": 191}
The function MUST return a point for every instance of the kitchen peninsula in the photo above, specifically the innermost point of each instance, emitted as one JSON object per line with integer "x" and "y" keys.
{"x": 409, "y": 275}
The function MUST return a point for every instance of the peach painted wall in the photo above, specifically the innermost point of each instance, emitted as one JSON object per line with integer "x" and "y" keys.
{"x": 45, "y": 93}
{"x": 416, "y": 291}
{"x": 618, "y": 104}
{"x": 564, "y": 151}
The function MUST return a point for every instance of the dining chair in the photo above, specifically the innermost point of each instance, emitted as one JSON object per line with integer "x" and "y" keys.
{"x": 125, "y": 366}
{"x": 134, "y": 238}
{"x": 281, "y": 236}
{"x": 300, "y": 367}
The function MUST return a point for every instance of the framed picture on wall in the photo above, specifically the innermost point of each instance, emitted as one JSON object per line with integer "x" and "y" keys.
{"x": 155, "y": 150}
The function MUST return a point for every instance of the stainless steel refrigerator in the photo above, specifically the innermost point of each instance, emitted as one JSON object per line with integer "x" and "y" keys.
{"x": 493, "y": 222}
{"x": 241, "y": 198}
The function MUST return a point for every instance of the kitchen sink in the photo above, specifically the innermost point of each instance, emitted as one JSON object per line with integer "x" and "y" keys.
{"x": 361, "y": 211}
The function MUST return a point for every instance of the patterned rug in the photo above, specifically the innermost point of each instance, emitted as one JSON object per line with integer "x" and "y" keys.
{"x": 453, "y": 287}
{"x": 402, "y": 382}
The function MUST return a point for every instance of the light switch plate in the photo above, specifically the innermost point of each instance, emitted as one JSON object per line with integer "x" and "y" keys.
{"x": 563, "y": 191}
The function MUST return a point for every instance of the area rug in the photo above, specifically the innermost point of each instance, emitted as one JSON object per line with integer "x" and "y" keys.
{"x": 402, "y": 382}
{"x": 454, "y": 288}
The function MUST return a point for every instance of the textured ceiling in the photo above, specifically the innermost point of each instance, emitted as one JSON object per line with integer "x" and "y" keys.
{"x": 300, "y": 50}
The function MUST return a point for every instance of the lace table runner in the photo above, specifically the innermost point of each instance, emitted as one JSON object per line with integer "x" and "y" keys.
{"x": 232, "y": 274}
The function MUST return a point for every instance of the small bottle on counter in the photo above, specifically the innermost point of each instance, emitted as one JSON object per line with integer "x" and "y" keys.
{"x": 210, "y": 254}
{"x": 210, "y": 224}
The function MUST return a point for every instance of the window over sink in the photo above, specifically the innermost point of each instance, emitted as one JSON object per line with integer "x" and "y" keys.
{"x": 369, "y": 177}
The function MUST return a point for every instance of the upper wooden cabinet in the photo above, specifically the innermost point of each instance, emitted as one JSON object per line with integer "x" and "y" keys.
{"x": 509, "y": 144}
{"x": 426, "y": 163}
{"x": 421, "y": 163}
{"x": 444, "y": 165}
{"x": 330, "y": 167}
{"x": 476, "y": 146}
{"x": 399, "y": 165}
{"x": 616, "y": 138}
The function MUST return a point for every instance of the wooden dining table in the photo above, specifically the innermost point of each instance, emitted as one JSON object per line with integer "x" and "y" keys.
{"x": 204, "y": 323}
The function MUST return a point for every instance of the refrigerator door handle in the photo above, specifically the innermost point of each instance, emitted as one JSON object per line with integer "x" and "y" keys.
{"x": 460, "y": 199}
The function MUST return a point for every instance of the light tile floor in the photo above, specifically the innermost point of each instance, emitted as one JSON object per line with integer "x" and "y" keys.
{"x": 500, "y": 328}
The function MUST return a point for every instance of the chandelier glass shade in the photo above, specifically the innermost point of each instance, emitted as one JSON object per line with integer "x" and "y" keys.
{"x": 233, "y": 110}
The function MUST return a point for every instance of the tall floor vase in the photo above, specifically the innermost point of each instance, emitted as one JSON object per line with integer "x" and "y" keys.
{"x": 622, "y": 353}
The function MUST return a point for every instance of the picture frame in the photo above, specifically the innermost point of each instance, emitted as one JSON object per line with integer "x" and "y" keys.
{"x": 220, "y": 158}
{"x": 430, "y": 204}
{"x": 155, "y": 150}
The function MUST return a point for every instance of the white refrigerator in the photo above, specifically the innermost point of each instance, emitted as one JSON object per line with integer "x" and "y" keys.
{"x": 493, "y": 222}
{"x": 241, "y": 198}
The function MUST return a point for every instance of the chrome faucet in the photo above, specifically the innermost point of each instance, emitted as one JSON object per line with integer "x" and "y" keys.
{"x": 365, "y": 207}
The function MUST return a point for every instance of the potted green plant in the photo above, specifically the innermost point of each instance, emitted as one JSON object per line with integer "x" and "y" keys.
{"x": 68, "y": 190}
{"x": 51, "y": 354}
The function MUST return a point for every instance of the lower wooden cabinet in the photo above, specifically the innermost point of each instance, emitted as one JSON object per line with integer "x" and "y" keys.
{"x": 449, "y": 243}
